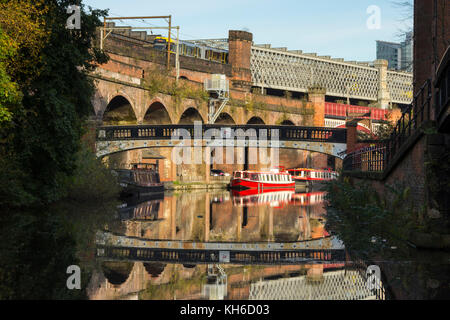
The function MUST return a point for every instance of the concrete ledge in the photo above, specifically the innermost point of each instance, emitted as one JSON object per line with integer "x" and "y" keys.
{"x": 364, "y": 175}
{"x": 196, "y": 186}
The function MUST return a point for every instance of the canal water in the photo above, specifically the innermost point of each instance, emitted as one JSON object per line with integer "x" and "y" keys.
{"x": 233, "y": 221}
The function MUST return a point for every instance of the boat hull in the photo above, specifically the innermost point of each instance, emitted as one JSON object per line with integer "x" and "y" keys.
{"x": 130, "y": 190}
{"x": 243, "y": 184}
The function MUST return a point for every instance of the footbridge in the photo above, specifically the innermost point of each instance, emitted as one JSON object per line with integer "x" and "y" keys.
{"x": 112, "y": 139}
{"x": 320, "y": 251}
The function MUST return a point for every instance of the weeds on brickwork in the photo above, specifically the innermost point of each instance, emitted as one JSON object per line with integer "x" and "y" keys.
{"x": 176, "y": 286}
{"x": 367, "y": 222}
{"x": 158, "y": 80}
{"x": 437, "y": 171}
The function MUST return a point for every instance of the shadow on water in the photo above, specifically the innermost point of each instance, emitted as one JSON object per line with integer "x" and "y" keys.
{"x": 38, "y": 245}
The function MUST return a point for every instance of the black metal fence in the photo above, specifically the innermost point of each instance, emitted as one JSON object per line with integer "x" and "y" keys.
{"x": 442, "y": 96}
{"x": 376, "y": 285}
{"x": 378, "y": 157}
{"x": 285, "y": 257}
{"x": 238, "y": 132}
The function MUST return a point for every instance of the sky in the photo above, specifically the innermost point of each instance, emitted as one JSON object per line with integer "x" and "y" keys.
{"x": 336, "y": 28}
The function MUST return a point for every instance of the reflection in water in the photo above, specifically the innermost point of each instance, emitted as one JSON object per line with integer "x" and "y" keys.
{"x": 216, "y": 229}
{"x": 210, "y": 217}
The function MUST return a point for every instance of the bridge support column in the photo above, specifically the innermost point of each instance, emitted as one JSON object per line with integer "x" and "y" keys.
{"x": 240, "y": 45}
{"x": 315, "y": 273}
{"x": 207, "y": 152}
{"x": 351, "y": 136}
{"x": 383, "y": 93}
{"x": 316, "y": 95}
{"x": 207, "y": 214}
{"x": 239, "y": 224}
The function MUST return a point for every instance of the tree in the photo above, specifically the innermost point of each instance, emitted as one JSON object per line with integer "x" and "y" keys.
{"x": 50, "y": 67}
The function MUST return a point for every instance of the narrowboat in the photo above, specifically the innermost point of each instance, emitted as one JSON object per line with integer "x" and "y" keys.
{"x": 303, "y": 175}
{"x": 262, "y": 181}
{"x": 140, "y": 181}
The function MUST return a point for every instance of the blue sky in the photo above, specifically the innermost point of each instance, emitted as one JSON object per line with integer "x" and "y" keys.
{"x": 328, "y": 27}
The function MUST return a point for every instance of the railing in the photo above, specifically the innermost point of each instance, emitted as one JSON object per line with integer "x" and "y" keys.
{"x": 238, "y": 132}
{"x": 442, "y": 96}
{"x": 366, "y": 159}
{"x": 378, "y": 158}
{"x": 378, "y": 289}
{"x": 200, "y": 256}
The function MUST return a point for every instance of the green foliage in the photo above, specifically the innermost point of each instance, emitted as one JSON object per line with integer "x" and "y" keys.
{"x": 385, "y": 129}
{"x": 365, "y": 221}
{"x": 158, "y": 80}
{"x": 9, "y": 93}
{"x": 91, "y": 180}
{"x": 46, "y": 127}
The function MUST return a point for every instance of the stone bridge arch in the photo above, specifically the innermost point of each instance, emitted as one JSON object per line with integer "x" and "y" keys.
{"x": 117, "y": 273}
{"x": 156, "y": 113}
{"x": 225, "y": 118}
{"x": 286, "y": 122}
{"x": 119, "y": 110}
{"x": 190, "y": 115}
{"x": 255, "y": 120}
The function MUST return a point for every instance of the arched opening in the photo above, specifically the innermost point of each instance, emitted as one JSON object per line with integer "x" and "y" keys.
{"x": 287, "y": 123}
{"x": 157, "y": 114}
{"x": 154, "y": 269}
{"x": 225, "y": 118}
{"x": 117, "y": 272}
{"x": 189, "y": 116}
{"x": 184, "y": 78}
{"x": 255, "y": 120}
{"x": 119, "y": 112}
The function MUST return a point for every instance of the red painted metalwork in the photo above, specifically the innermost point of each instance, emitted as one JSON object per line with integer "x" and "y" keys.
{"x": 342, "y": 110}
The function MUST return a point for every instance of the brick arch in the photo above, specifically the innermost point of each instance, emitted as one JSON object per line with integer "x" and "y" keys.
{"x": 189, "y": 115}
{"x": 255, "y": 120}
{"x": 154, "y": 269}
{"x": 156, "y": 113}
{"x": 117, "y": 273}
{"x": 286, "y": 122}
{"x": 121, "y": 99}
{"x": 225, "y": 118}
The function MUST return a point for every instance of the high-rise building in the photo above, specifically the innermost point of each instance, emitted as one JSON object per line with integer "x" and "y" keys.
{"x": 399, "y": 55}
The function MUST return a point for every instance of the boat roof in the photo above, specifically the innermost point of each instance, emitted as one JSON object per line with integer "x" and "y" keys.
{"x": 310, "y": 169}
{"x": 263, "y": 172}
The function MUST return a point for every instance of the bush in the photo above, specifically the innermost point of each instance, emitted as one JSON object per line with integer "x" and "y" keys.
{"x": 92, "y": 181}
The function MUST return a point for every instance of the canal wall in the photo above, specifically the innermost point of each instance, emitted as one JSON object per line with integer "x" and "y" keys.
{"x": 421, "y": 169}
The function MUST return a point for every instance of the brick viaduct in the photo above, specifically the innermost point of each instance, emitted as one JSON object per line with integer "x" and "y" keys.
{"x": 127, "y": 93}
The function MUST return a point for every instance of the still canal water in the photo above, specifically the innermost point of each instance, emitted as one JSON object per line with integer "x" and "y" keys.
{"x": 223, "y": 218}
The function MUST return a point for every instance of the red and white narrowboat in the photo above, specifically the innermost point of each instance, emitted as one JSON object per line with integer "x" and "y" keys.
{"x": 263, "y": 181}
{"x": 304, "y": 175}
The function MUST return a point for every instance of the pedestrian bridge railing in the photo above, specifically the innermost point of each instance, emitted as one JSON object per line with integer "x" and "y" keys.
{"x": 238, "y": 132}
{"x": 382, "y": 154}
